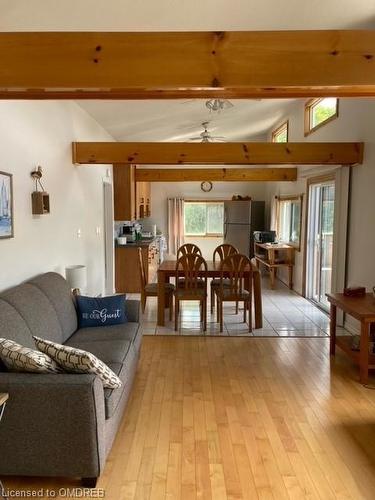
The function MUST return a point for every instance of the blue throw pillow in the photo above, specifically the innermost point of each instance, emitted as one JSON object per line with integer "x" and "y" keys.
{"x": 101, "y": 311}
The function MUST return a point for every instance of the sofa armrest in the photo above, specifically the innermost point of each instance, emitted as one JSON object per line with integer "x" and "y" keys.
{"x": 53, "y": 425}
{"x": 132, "y": 310}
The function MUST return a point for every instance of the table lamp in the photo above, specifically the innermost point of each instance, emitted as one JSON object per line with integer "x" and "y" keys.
{"x": 76, "y": 276}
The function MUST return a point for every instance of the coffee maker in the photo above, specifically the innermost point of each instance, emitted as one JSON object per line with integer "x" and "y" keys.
{"x": 128, "y": 231}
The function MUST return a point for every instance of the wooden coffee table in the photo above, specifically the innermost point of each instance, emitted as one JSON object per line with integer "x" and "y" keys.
{"x": 362, "y": 309}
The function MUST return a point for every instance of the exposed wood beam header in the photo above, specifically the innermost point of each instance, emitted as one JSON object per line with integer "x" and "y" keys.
{"x": 187, "y": 64}
{"x": 215, "y": 174}
{"x": 229, "y": 153}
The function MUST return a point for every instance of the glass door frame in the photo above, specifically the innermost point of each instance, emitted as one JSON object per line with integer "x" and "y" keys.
{"x": 314, "y": 283}
{"x": 342, "y": 177}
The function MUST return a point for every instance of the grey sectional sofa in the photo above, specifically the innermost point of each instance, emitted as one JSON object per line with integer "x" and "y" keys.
{"x": 62, "y": 424}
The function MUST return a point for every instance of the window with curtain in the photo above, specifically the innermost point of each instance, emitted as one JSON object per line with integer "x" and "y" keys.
{"x": 203, "y": 218}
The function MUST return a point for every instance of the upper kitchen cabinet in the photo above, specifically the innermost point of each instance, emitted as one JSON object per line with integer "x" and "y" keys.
{"x": 124, "y": 192}
{"x": 143, "y": 197}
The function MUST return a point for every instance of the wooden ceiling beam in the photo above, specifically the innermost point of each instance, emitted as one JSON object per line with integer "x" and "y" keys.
{"x": 215, "y": 174}
{"x": 66, "y": 65}
{"x": 227, "y": 153}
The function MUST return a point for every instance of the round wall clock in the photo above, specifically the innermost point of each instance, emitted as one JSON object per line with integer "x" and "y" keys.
{"x": 206, "y": 186}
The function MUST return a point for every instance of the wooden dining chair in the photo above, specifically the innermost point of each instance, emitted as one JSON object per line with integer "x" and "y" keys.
{"x": 187, "y": 249}
{"x": 221, "y": 253}
{"x": 151, "y": 289}
{"x": 231, "y": 287}
{"x": 190, "y": 267}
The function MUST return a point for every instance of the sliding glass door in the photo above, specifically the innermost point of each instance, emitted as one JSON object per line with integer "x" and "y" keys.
{"x": 320, "y": 241}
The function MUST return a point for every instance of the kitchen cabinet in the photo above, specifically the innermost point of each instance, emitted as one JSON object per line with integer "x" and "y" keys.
{"x": 127, "y": 274}
{"x": 143, "y": 199}
{"x": 124, "y": 192}
{"x": 132, "y": 200}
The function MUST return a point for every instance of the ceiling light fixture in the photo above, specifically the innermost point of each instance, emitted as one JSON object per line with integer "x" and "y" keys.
{"x": 218, "y": 105}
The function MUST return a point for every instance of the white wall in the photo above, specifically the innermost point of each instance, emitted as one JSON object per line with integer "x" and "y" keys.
{"x": 355, "y": 123}
{"x": 161, "y": 191}
{"x": 40, "y": 133}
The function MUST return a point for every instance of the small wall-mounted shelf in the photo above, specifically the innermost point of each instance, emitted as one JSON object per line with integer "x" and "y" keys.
{"x": 40, "y": 203}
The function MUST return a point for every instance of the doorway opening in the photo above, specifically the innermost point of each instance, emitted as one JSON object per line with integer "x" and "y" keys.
{"x": 109, "y": 262}
{"x": 320, "y": 238}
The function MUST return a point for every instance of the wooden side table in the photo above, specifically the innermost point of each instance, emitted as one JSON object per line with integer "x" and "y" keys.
{"x": 272, "y": 262}
{"x": 3, "y": 399}
{"x": 362, "y": 309}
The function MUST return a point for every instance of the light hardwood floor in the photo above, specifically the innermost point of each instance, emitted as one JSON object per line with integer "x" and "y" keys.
{"x": 241, "y": 418}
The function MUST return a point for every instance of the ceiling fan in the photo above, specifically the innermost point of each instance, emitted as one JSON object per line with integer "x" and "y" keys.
{"x": 205, "y": 136}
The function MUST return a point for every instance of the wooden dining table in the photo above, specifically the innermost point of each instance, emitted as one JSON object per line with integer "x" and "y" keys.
{"x": 167, "y": 270}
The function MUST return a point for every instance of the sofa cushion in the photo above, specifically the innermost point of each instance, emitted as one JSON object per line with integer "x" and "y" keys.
{"x": 36, "y": 309}
{"x": 108, "y": 351}
{"x": 132, "y": 309}
{"x": 100, "y": 311}
{"x": 58, "y": 292}
{"x": 13, "y": 326}
{"x": 20, "y": 359}
{"x": 123, "y": 371}
{"x": 126, "y": 331}
{"x": 74, "y": 360}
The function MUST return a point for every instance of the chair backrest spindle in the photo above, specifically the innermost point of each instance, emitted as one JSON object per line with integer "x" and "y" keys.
{"x": 190, "y": 267}
{"x": 223, "y": 251}
{"x": 142, "y": 271}
{"x": 233, "y": 268}
{"x": 187, "y": 249}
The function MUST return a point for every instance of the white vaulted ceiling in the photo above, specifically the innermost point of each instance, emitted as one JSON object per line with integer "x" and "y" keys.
{"x": 178, "y": 120}
{"x": 184, "y": 15}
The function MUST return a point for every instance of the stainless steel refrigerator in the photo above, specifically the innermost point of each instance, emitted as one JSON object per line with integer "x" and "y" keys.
{"x": 241, "y": 219}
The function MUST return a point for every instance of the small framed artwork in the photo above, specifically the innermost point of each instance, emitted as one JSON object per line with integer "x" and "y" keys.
{"x": 6, "y": 205}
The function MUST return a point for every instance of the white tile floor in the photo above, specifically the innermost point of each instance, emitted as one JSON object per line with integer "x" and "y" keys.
{"x": 285, "y": 314}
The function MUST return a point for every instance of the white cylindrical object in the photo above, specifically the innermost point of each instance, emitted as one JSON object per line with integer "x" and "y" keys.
{"x": 76, "y": 276}
{"x": 154, "y": 230}
{"x": 121, "y": 240}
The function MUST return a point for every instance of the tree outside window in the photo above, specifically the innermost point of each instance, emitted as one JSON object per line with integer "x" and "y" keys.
{"x": 203, "y": 218}
{"x": 320, "y": 111}
{"x": 280, "y": 134}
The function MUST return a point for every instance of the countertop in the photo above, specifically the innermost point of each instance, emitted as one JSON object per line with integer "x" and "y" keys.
{"x": 146, "y": 242}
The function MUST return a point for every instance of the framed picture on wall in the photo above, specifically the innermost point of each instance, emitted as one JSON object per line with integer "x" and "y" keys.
{"x": 6, "y": 206}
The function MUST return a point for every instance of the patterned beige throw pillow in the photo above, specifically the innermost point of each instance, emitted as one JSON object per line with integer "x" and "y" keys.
{"x": 18, "y": 358}
{"x": 74, "y": 360}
